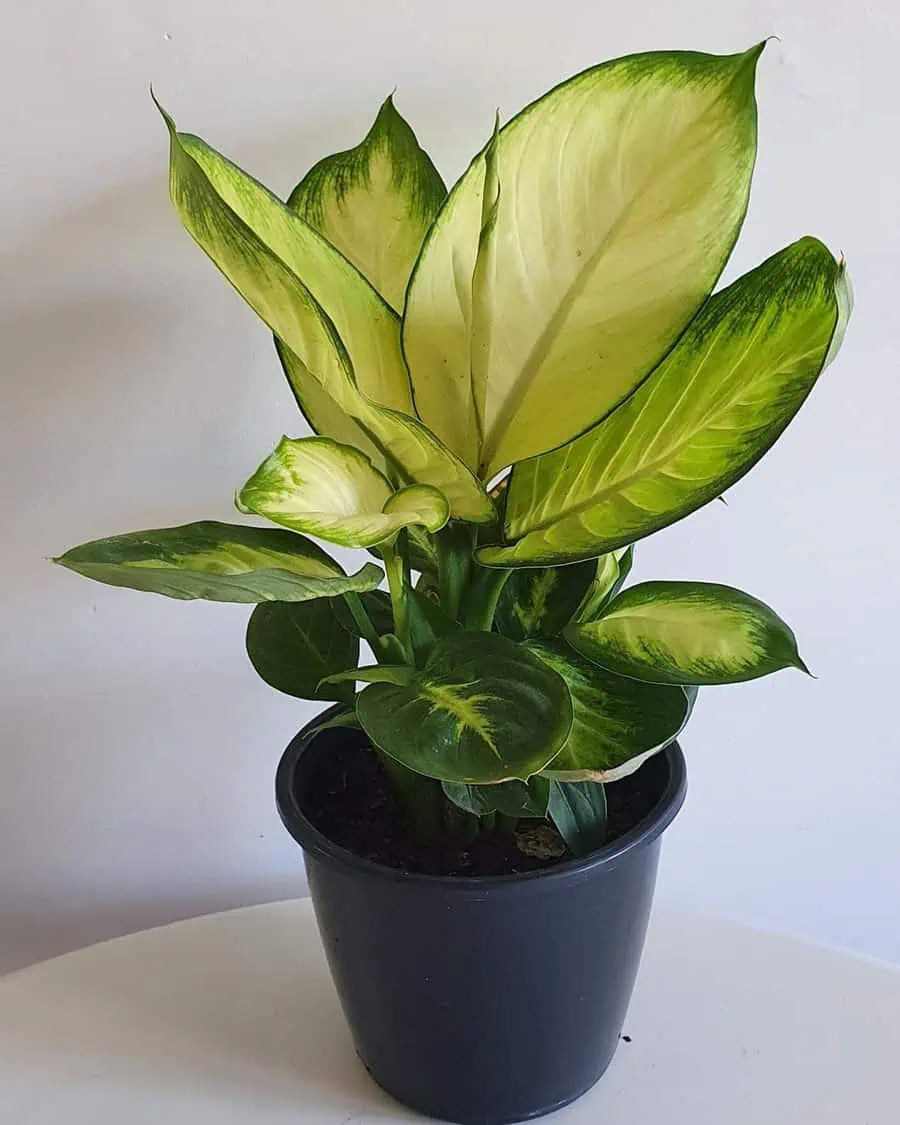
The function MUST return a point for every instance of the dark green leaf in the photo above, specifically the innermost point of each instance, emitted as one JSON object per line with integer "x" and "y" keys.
{"x": 377, "y": 604}
{"x": 427, "y": 624}
{"x": 578, "y": 809}
{"x": 540, "y": 601}
{"x": 220, "y": 562}
{"x": 511, "y": 798}
{"x": 618, "y": 723}
{"x": 483, "y": 709}
{"x": 295, "y": 645}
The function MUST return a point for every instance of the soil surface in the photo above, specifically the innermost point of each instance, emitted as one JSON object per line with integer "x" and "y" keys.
{"x": 349, "y": 798}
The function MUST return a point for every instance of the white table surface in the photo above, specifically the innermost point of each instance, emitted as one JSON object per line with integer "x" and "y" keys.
{"x": 231, "y": 1020}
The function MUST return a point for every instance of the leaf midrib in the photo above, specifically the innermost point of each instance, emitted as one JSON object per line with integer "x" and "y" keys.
{"x": 541, "y": 348}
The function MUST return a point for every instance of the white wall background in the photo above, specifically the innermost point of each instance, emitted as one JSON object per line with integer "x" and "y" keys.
{"x": 138, "y": 747}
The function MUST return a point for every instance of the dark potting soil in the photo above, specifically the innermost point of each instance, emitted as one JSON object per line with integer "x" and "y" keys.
{"x": 349, "y": 798}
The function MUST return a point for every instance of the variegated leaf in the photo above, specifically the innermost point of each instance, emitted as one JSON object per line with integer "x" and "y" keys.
{"x": 375, "y": 202}
{"x": 617, "y": 722}
{"x": 483, "y": 709}
{"x": 715, "y": 405}
{"x": 609, "y": 578}
{"x": 540, "y": 601}
{"x": 687, "y": 633}
{"x": 219, "y": 562}
{"x": 336, "y": 331}
{"x": 618, "y": 197}
{"x": 321, "y": 487}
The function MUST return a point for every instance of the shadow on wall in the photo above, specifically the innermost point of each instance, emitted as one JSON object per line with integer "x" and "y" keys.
{"x": 138, "y": 391}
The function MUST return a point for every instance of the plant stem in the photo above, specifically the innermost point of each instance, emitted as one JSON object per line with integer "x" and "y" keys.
{"x": 418, "y": 795}
{"x": 482, "y": 596}
{"x": 454, "y": 544}
{"x": 363, "y": 622}
{"x": 396, "y": 576}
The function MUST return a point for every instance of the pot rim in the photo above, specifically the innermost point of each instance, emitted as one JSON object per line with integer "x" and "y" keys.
{"x": 317, "y": 844}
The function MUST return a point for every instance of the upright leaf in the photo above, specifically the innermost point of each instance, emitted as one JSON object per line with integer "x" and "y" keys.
{"x": 578, "y": 809}
{"x": 687, "y": 633}
{"x": 540, "y": 601}
{"x": 483, "y": 709}
{"x": 294, "y": 645}
{"x": 714, "y": 406}
{"x": 621, "y": 194}
{"x": 617, "y": 722}
{"x": 331, "y": 490}
{"x": 609, "y": 578}
{"x": 427, "y": 624}
{"x": 219, "y": 562}
{"x": 375, "y": 202}
{"x": 340, "y": 340}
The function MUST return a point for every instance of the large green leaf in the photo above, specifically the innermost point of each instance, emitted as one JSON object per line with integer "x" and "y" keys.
{"x": 321, "y": 487}
{"x": 618, "y": 198}
{"x": 511, "y": 798}
{"x": 687, "y": 633}
{"x": 338, "y": 335}
{"x": 483, "y": 709}
{"x": 617, "y": 722}
{"x": 220, "y": 562}
{"x": 375, "y": 202}
{"x": 540, "y": 601}
{"x": 578, "y": 809}
{"x": 294, "y": 645}
{"x": 715, "y": 405}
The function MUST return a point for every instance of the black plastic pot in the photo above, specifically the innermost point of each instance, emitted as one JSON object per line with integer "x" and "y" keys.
{"x": 481, "y": 1000}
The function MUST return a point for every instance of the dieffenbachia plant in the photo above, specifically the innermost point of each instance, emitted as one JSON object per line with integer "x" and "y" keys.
{"x": 549, "y": 324}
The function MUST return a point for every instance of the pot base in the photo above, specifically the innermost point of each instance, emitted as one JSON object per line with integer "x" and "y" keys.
{"x": 530, "y": 1115}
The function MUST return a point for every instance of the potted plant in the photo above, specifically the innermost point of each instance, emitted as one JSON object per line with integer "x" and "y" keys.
{"x": 509, "y": 385}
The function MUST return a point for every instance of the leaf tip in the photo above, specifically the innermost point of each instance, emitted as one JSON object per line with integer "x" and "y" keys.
{"x": 170, "y": 123}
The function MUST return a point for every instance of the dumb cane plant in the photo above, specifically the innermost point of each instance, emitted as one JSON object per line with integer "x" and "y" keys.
{"x": 552, "y": 313}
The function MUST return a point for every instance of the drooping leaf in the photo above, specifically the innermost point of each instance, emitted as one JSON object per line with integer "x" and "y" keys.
{"x": 687, "y": 633}
{"x": 337, "y": 334}
{"x": 321, "y": 487}
{"x": 483, "y": 709}
{"x": 715, "y": 405}
{"x": 375, "y": 202}
{"x": 578, "y": 809}
{"x": 617, "y": 722}
{"x": 372, "y": 674}
{"x": 427, "y": 624}
{"x": 612, "y": 570}
{"x": 619, "y": 196}
{"x": 511, "y": 798}
{"x": 540, "y": 601}
{"x": 219, "y": 562}
{"x": 294, "y": 645}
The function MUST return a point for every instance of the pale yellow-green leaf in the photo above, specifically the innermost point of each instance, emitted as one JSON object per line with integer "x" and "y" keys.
{"x": 323, "y": 488}
{"x": 687, "y": 633}
{"x": 619, "y": 196}
{"x": 343, "y": 335}
{"x": 715, "y": 405}
{"x": 375, "y": 202}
